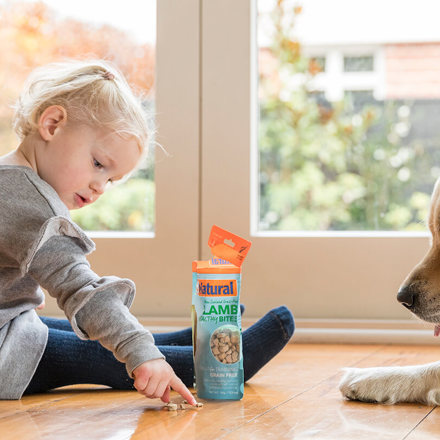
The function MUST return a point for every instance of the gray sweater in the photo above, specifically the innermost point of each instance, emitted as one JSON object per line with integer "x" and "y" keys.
{"x": 41, "y": 246}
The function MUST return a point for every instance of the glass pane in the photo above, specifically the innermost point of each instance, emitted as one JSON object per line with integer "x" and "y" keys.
{"x": 358, "y": 64}
{"x": 354, "y": 145}
{"x": 38, "y": 32}
{"x": 316, "y": 65}
{"x": 356, "y": 100}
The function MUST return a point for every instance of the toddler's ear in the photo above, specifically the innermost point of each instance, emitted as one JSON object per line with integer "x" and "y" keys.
{"x": 52, "y": 117}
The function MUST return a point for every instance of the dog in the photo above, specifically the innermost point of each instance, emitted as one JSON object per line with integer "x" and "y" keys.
{"x": 419, "y": 293}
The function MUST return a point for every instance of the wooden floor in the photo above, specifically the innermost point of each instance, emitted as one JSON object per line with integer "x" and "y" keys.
{"x": 294, "y": 397}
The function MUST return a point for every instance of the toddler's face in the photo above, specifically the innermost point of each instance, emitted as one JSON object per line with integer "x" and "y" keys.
{"x": 79, "y": 162}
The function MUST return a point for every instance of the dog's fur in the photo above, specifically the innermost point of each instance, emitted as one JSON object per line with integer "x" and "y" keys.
{"x": 419, "y": 383}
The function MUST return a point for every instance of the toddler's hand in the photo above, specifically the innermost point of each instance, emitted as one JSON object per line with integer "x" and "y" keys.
{"x": 154, "y": 379}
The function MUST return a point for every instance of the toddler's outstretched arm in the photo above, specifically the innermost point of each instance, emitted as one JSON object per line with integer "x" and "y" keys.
{"x": 97, "y": 308}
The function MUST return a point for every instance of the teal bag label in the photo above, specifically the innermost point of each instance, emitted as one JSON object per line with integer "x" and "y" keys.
{"x": 217, "y": 339}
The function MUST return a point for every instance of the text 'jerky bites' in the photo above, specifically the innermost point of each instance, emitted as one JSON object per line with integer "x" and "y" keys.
{"x": 216, "y": 318}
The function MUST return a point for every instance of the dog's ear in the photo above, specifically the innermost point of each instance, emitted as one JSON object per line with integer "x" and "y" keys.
{"x": 434, "y": 210}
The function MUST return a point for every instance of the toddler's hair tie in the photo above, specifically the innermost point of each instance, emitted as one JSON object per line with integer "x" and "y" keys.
{"x": 108, "y": 75}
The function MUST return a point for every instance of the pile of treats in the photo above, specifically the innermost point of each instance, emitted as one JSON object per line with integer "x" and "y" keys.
{"x": 177, "y": 406}
{"x": 225, "y": 346}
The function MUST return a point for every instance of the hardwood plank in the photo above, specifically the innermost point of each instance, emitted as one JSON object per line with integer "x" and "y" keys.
{"x": 295, "y": 395}
{"x": 11, "y": 407}
{"x": 269, "y": 388}
{"x": 322, "y": 413}
{"x": 428, "y": 429}
{"x": 77, "y": 413}
{"x": 98, "y": 414}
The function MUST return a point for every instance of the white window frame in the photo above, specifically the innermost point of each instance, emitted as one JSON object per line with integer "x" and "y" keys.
{"x": 352, "y": 275}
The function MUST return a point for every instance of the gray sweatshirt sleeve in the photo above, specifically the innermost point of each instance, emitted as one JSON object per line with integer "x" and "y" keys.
{"x": 37, "y": 238}
{"x": 97, "y": 307}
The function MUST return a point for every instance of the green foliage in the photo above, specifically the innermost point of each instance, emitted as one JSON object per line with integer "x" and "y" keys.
{"x": 126, "y": 207}
{"x": 330, "y": 166}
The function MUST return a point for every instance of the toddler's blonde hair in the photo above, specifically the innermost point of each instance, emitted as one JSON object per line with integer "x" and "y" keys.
{"x": 92, "y": 92}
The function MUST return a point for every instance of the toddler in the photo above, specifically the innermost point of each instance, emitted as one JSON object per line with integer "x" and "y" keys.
{"x": 82, "y": 128}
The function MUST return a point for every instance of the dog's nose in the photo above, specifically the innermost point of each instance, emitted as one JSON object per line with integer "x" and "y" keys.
{"x": 406, "y": 296}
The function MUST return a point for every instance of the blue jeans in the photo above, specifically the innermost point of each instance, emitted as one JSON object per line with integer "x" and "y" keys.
{"x": 68, "y": 360}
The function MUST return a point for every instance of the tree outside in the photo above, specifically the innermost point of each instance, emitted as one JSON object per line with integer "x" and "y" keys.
{"x": 347, "y": 165}
{"x": 33, "y": 34}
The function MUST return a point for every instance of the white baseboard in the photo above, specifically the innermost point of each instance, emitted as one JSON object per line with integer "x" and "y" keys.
{"x": 331, "y": 331}
{"x": 364, "y": 336}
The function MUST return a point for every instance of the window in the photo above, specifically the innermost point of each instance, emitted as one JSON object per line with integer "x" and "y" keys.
{"x": 38, "y": 32}
{"x": 356, "y": 100}
{"x": 208, "y": 121}
{"x": 358, "y": 63}
{"x": 317, "y": 64}
{"x": 340, "y": 140}
{"x": 319, "y": 274}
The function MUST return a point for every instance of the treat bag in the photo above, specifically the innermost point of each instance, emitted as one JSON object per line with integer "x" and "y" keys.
{"x": 216, "y": 318}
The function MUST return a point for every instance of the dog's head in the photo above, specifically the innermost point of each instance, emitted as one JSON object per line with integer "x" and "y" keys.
{"x": 420, "y": 292}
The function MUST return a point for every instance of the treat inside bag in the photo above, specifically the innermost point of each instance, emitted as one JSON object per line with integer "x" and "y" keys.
{"x": 216, "y": 319}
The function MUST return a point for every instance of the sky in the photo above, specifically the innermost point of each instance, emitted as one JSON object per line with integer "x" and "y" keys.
{"x": 364, "y": 21}
{"x": 137, "y": 17}
{"x": 321, "y": 22}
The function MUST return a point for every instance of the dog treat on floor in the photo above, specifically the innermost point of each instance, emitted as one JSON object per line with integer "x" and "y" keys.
{"x": 181, "y": 406}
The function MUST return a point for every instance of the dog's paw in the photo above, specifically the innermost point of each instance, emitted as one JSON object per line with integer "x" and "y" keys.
{"x": 375, "y": 385}
{"x": 363, "y": 384}
{"x": 391, "y": 385}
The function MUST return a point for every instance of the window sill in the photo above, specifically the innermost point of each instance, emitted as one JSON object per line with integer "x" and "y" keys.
{"x": 343, "y": 234}
{"x": 119, "y": 234}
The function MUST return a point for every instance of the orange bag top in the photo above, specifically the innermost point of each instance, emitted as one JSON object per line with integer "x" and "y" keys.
{"x": 228, "y": 246}
{"x": 215, "y": 265}
{"x": 229, "y": 252}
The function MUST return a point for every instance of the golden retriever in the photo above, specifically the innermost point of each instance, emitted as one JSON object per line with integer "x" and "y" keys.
{"x": 419, "y": 293}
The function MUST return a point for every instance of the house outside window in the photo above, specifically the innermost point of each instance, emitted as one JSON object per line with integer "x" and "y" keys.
{"x": 347, "y": 136}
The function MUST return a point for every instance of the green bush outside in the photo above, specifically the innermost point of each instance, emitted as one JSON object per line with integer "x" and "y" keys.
{"x": 126, "y": 207}
{"x": 334, "y": 166}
